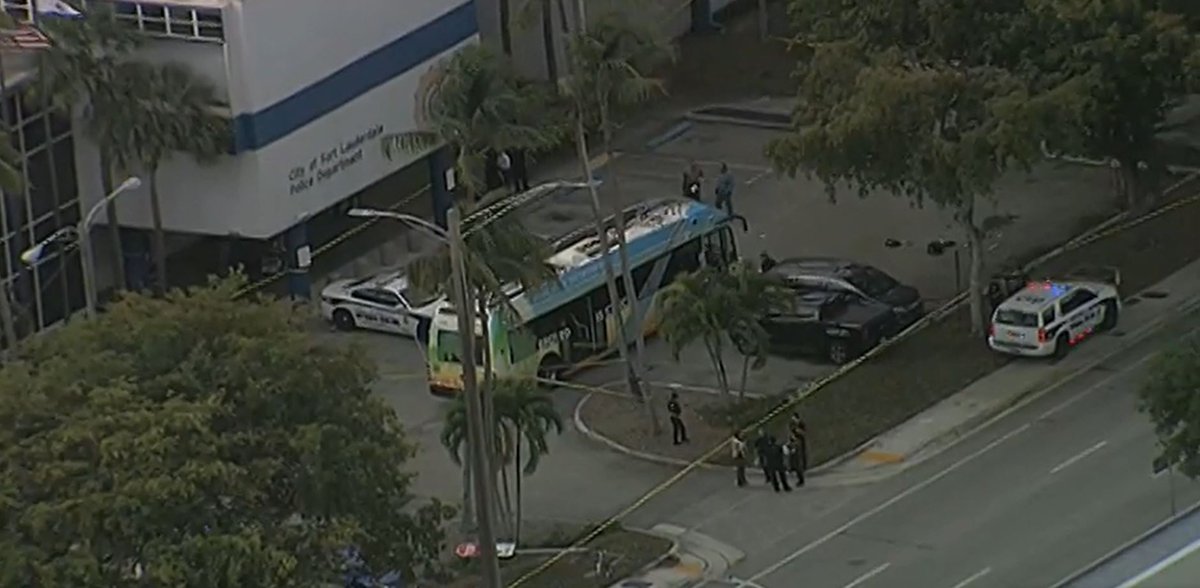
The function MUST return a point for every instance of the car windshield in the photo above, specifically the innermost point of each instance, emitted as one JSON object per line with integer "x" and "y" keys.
{"x": 871, "y": 281}
{"x": 1016, "y": 318}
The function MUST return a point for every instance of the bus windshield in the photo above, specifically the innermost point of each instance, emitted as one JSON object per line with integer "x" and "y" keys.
{"x": 449, "y": 347}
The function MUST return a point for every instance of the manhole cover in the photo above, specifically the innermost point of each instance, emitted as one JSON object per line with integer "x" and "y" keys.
{"x": 856, "y": 562}
{"x": 1154, "y": 294}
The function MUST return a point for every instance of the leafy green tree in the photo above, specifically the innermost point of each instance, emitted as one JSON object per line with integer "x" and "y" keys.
{"x": 524, "y": 418}
{"x": 904, "y": 96}
{"x": 1125, "y": 65}
{"x": 81, "y": 68}
{"x": 1169, "y": 397}
{"x": 199, "y": 440}
{"x": 713, "y": 306}
{"x": 173, "y": 110}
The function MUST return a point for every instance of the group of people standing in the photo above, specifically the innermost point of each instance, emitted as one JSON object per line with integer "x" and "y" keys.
{"x": 693, "y": 176}
{"x": 777, "y": 460}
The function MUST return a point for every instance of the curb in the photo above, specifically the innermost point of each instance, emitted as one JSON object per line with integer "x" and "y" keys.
{"x": 582, "y": 427}
{"x": 1107, "y": 557}
{"x": 734, "y": 121}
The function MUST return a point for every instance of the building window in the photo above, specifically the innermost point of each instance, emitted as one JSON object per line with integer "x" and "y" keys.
{"x": 156, "y": 20}
{"x": 173, "y": 22}
{"x": 21, "y": 10}
{"x": 47, "y": 293}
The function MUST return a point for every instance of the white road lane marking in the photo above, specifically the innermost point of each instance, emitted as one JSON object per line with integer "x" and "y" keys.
{"x": 1102, "y": 383}
{"x": 758, "y": 177}
{"x": 973, "y": 577}
{"x": 867, "y": 576}
{"x": 1162, "y": 565}
{"x": 1078, "y": 456}
{"x": 888, "y": 503}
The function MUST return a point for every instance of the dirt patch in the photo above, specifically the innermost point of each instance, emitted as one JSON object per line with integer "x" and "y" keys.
{"x": 913, "y": 375}
{"x": 627, "y": 551}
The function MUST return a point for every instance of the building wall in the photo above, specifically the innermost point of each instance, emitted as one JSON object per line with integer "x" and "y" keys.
{"x": 313, "y": 86}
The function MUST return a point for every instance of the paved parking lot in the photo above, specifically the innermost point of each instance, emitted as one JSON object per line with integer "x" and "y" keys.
{"x": 788, "y": 217}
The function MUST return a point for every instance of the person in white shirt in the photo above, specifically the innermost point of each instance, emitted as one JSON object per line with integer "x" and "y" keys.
{"x": 504, "y": 164}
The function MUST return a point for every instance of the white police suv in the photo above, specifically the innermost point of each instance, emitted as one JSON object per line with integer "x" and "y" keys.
{"x": 384, "y": 302}
{"x": 1048, "y": 318}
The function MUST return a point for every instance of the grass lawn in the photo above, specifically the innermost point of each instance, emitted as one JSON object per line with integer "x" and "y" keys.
{"x": 630, "y": 551}
{"x": 913, "y": 375}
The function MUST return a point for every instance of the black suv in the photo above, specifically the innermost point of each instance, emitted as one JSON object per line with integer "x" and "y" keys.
{"x": 835, "y": 325}
{"x": 868, "y": 282}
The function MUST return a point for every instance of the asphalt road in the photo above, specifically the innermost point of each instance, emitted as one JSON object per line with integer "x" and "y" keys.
{"x": 1025, "y": 502}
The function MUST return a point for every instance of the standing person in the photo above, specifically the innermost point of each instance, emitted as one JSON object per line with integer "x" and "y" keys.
{"x": 520, "y": 170}
{"x": 738, "y": 449}
{"x": 491, "y": 171}
{"x": 762, "y": 446}
{"x": 766, "y": 262}
{"x": 795, "y": 461}
{"x": 691, "y": 182}
{"x": 724, "y": 190}
{"x": 504, "y": 165}
{"x": 678, "y": 430}
{"x": 777, "y": 467}
{"x": 799, "y": 440}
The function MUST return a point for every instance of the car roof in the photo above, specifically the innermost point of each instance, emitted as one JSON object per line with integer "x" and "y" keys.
{"x": 1036, "y": 296}
{"x": 820, "y": 266}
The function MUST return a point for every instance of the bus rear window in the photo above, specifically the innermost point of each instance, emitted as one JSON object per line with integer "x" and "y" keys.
{"x": 449, "y": 347}
{"x": 1016, "y": 318}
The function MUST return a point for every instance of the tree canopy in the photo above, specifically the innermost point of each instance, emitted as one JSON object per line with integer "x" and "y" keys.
{"x": 1170, "y": 396}
{"x": 200, "y": 440}
{"x": 909, "y": 97}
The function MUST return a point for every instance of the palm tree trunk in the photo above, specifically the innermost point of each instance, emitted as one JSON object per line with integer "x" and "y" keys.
{"x": 638, "y": 365}
{"x": 745, "y": 375}
{"x": 160, "y": 240}
{"x": 610, "y": 277}
{"x": 114, "y": 226}
{"x": 507, "y": 494}
{"x": 517, "y": 471}
{"x": 468, "y": 506}
{"x": 548, "y": 44}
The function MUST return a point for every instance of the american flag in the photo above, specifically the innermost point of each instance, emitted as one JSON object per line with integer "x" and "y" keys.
{"x": 23, "y": 38}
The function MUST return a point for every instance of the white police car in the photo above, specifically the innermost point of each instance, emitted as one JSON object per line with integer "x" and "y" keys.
{"x": 382, "y": 303}
{"x": 1048, "y": 318}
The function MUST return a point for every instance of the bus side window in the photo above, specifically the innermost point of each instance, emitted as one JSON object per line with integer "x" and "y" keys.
{"x": 521, "y": 344}
{"x": 685, "y": 259}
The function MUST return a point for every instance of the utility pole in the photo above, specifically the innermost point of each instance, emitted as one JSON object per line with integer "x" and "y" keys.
{"x": 480, "y": 468}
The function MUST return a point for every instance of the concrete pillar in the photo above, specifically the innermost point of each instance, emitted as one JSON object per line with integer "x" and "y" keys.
{"x": 441, "y": 183}
{"x": 702, "y": 21}
{"x": 299, "y": 258}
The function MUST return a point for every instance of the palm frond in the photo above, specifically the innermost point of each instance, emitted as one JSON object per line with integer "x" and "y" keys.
{"x": 408, "y": 142}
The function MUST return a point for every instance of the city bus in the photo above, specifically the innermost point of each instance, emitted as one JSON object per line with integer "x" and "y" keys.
{"x": 569, "y": 323}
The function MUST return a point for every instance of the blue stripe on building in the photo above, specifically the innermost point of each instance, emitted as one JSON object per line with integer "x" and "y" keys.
{"x": 259, "y": 129}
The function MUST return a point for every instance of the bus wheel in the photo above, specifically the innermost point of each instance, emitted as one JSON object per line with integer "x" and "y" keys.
{"x": 550, "y": 370}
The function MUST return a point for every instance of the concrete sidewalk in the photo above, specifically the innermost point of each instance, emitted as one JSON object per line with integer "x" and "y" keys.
{"x": 695, "y": 558}
{"x": 1013, "y": 385}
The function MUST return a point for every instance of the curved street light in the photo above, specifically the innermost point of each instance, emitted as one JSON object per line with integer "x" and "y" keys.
{"x": 80, "y": 235}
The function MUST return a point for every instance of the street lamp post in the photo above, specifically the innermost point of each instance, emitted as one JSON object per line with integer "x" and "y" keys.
{"x": 462, "y": 297}
{"x": 81, "y": 235}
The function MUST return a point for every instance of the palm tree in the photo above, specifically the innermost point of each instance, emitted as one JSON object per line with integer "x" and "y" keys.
{"x": 81, "y": 68}
{"x": 712, "y": 305}
{"x": 172, "y": 110}
{"x": 476, "y": 106}
{"x": 525, "y": 415}
{"x": 608, "y": 58}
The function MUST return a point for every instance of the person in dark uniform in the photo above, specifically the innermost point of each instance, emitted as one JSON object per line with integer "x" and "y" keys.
{"x": 798, "y": 434}
{"x": 520, "y": 170}
{"x": 737, "y": 448}
{"x": 691, "y": 182}
{"x": 777, "y": 467}
{"x": 762, "y": 445}
{"x": 678, "y": 430}
{"x": 766, "y": 262}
